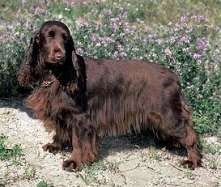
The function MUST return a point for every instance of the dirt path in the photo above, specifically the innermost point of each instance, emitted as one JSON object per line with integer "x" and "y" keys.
{"x": 126, "y": 161}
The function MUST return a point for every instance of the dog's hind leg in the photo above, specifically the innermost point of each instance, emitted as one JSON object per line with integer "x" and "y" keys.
{"x": 184, "y": 134}
{"x": 177, "y": 126}
{"x": 189, "y": 141}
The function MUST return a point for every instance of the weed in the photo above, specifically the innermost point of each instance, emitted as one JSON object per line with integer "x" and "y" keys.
{"x": 7, "y": 153}
{"x": 44, "y": 184}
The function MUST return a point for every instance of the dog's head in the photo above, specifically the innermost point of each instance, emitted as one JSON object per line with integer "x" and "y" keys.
{"x": 51, "y": 44}
{"x": 51, "y": 47}
{"x": 55, "y": 42}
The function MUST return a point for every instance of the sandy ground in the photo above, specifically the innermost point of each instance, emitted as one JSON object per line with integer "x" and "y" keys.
{"x": 134, "y": 161}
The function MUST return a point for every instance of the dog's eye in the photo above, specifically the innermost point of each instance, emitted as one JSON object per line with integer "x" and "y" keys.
{"x": 64, "y": 36}
{"x": 51, "y": 34}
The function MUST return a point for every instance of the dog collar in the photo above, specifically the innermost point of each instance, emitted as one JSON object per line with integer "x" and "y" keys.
{"x": 46, "y": 84}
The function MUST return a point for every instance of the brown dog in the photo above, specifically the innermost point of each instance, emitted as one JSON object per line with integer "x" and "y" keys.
{"x": 83, "y": 101}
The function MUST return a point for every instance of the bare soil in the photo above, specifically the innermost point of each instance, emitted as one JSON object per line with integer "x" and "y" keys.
{"x": 124, "y": 161}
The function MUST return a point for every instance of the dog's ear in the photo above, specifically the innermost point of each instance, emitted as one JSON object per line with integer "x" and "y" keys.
{"x": 80, "y": 67}
{"x": 70, "y": 44}
{"x": 76, "y": 64}
{"x": 31, "y": 55}
{"x": 27, "y": 72}
{"x": 81, "y": 79}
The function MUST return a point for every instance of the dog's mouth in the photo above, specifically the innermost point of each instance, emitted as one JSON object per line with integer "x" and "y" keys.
{"x": 53, "y": 65}
{"x": 55, "y": 61}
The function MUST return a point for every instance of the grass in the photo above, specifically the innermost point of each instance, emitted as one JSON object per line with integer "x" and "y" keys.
{"x": 44, "y": 184}
{"x": 11, "y": 9}
{"x": 8, "y": 153}
{"x": 152, "y": 12}
{"x": 210, "y": 147}
{"x": 161, "y": 12}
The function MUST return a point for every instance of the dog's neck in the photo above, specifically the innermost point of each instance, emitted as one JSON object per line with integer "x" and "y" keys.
{"x": 63, "y": 73}
{"x": 65, "y": 77}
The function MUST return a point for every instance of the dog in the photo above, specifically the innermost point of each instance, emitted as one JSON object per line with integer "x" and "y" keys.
{"x": 83, "y": 100}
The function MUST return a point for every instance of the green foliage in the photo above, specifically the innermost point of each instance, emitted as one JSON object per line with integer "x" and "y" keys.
{"x": 210, "y": 148}
{"x": 43, "y": 184}
{"x": 11, "y": 55}
{"x": 68, "y": 12}
{"x": 7, "y": 153}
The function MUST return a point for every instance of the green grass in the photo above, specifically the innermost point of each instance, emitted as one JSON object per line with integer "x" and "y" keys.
{"x": 44, "y": 184}
{"x": 8, "y": 153}
{"x": 163, "y": 11}
{"x": 152, "y": 12}
{"x": 10, "y": 9}
{"x": 69, "y": 12}
{"x": 210, "y": 148}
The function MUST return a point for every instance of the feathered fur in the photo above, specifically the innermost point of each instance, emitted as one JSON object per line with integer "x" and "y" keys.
{"x": 84, "y": 100}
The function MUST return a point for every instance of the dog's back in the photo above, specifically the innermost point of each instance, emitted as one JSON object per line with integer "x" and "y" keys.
{"x": 130, "y": 96}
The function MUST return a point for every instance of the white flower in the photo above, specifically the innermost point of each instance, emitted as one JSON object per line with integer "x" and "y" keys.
{"x": 168, "y": 52}
{"x": 98, "y": 44}
{"x": 60, "y": 16}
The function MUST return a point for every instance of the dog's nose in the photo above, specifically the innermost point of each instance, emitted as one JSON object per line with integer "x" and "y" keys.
{"x": 58, "y": 56}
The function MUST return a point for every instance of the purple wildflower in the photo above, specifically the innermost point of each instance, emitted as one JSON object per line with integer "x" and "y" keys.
{"x": 184, "y": 19}
{"x": 201, "y": 44}
{"x": 184, "y": 39}
{"x": 198, "y": 18}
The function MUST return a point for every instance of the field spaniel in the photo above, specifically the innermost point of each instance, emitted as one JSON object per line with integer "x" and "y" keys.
{"x": 84, "y": 100}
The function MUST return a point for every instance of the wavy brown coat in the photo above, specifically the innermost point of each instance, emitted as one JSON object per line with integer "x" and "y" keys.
{"x": 82, "y": 100}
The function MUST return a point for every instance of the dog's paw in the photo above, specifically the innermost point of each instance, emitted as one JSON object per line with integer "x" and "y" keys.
{"x": 51, "y": 147}
{"x": 190, "y": 164}
{"x": 69, "y": 165}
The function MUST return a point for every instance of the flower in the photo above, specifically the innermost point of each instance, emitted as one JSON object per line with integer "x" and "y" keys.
{"x": 183, "y": 19}
{"x": 168, "y": 52}
{"x": 196, "y": 56}
{"x": 82, "y": 22}
{"x": 184, "y": 39}
{"x": 201, "y": 44}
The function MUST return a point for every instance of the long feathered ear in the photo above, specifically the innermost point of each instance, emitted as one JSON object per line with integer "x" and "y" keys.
{"x": 76, "y": 64}
{"x": 70, "y": 45}
{"x": 81, "y": 78}
{"x": 26, "y": 72}
{"x": 32, "y": 52}
{"x": 80, "y": 69}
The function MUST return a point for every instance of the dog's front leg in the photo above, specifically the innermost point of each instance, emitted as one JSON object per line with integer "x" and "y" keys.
{"x": 61, "y": 140}
{"x": 84, "y": 142}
